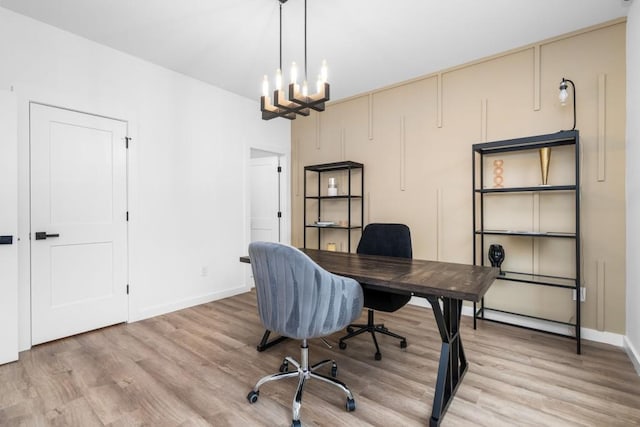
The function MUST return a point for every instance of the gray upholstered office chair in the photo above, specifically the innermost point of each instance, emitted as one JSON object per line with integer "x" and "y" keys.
{"x": 387, "y": 240}
{"x": 298, "y": 299}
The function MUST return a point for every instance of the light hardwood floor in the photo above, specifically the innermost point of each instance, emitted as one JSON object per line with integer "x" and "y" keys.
{"x": 195, "y": 367}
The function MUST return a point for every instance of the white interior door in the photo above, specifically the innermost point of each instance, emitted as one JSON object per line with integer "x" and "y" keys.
{"x": 265, "y": 199}
{"x": 8, "y": 228}
{"x": 78, "y": 222}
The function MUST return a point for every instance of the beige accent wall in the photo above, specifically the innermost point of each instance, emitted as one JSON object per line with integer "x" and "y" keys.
{"x": 415, "y": 139}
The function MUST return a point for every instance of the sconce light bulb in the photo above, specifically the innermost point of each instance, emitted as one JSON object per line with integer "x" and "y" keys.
{"x": 564, "y": 95}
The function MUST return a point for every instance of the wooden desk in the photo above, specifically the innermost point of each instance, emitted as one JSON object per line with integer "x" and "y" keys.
{"x": 445, "y": 285}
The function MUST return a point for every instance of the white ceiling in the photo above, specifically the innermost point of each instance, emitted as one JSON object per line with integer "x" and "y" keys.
{"x": 367, "y": 43}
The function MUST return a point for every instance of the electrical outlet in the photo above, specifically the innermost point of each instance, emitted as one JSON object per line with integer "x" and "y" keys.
{"x": 583, "y": 294}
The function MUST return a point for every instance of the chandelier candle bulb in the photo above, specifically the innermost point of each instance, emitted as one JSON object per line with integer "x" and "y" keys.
{"x": 265, "y": 86}
{"x": 305, "y": 89}
{"x": 324, "y": 71}
{"x": 294, "y": 73}
{"x": 278, "y": 79}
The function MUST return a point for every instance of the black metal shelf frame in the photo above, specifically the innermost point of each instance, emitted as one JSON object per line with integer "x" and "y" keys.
{"x": 562, "y": 138}
{"x": 350, "y": 167}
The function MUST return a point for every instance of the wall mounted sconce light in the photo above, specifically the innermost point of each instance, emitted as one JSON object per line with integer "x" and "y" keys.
{"x": 564, "y": 95}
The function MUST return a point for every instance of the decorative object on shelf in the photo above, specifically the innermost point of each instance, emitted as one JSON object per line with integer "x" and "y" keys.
{"x": 496, "y": 256}
{"x": 333, "y": 187}
{"x": 299, "y": 102}
{"x": 497, "y": 173}
{"x": 564, "y": 95}
{"x": 331, "y": 247}
{"x": 325, "y": 223}
{"x": 545, "y": 158}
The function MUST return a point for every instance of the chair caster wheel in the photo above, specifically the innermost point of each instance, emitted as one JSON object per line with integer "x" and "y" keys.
{"x": 350, "y": 329}
{"x": 403, "y": 344}
{"x": 351, "y": 405}
{"x": 378, "y": 356}
{"x": 334, "y": 370}
{"x": 252, "y": 397}
{"x": 342, "y": 345}
{"x": 284, "y": 367}
{"x": 296, "y": 423}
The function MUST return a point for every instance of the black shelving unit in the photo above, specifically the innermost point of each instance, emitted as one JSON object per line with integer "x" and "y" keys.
{"x": 321, "y": 197}
{"x": 480, "y": 246}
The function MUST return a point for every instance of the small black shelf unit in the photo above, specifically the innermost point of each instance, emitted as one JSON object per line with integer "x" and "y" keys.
{"x": 480, "y": 247}
{"x": 350, "y": 198}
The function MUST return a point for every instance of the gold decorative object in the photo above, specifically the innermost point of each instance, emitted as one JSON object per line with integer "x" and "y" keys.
{"x": 497, "y": 173}
{"x": 545, "y": 157}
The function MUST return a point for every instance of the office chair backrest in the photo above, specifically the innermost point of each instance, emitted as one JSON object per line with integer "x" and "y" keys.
{"x": 386, "y": 239}
{"x": 296, "y": 297}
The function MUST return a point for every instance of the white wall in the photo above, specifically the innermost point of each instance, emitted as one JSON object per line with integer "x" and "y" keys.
{"x": 633, "y": 183}
{"x": 187, "y": 163}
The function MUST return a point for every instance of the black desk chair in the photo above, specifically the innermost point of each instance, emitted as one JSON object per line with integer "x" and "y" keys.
{"x": 387, "y": 240}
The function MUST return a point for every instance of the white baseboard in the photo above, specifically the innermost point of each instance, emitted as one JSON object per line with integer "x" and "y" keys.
{"x": 161, "y": 309}
{"x": 633, "y": 354}
{"x": 587, "y": 334}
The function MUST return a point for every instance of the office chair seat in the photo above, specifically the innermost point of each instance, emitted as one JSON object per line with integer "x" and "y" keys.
{"x": 299, "y": 299}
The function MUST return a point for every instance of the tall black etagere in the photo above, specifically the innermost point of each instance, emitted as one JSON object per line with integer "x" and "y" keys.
{"x": 349, "y": 197}
{"x": 482, "y": 189}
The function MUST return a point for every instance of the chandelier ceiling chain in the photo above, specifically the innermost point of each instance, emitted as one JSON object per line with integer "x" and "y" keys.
{"x": 299, "y": 100}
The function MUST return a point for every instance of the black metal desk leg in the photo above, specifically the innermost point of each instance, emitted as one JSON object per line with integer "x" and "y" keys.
{"x": 453, "y": 362}
{"x": 265, "y": 343}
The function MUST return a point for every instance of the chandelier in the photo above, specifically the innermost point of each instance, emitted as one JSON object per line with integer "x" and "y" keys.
{"x": 299, "y": 101}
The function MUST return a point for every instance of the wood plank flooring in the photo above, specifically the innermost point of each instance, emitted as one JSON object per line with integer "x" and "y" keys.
{"x": 195, "y": 367}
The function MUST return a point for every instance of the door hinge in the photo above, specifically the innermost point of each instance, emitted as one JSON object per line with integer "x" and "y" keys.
{"x": 127, "y": 289}
{"x": 279, "y": 169}
{"x": 279, "y": 214}
{"x": 126, "y": 141}
{"x": 127, "y": 216}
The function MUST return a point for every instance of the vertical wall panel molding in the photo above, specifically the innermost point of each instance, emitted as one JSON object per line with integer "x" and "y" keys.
{"x": 602, "y": 125}
{"x": 370, "y": 116}
{"x": 535, "y": 226}
{"x": 439, "y": 102}
{"x": 403, "y": 152}
{"x": 318, "y": 125}
{"x": 600, "y": 285}
{"x": 484, "y": 105}
{"x": 439, "y": 225}
{"x": 367, "y": 205}
{"x": 296, "y": 164}
{"x": 536, "y": 78}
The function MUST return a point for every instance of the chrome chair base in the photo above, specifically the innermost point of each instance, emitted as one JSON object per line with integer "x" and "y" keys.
{"x": 304, "y": 372}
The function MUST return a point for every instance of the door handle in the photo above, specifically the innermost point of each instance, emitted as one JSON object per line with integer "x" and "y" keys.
{"x": 42, "y": 235}
{"x": 6, "y": 240}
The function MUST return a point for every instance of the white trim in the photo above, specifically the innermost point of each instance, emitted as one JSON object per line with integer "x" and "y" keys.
{"x": 633, "y": 353}
{"x": 611, "y": 338}
{"x": 161, "y": 309}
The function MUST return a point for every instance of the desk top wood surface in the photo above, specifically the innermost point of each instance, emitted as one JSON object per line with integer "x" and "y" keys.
{"x": 402, "y": 275}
